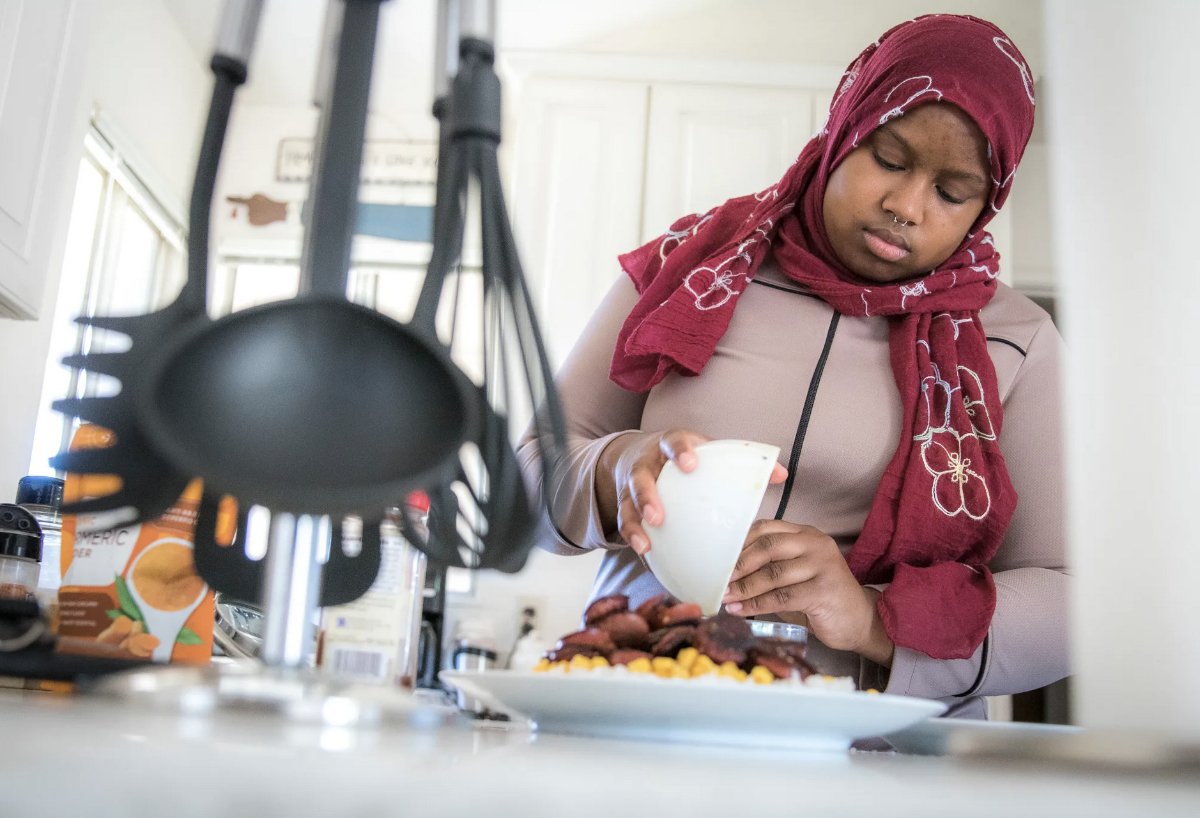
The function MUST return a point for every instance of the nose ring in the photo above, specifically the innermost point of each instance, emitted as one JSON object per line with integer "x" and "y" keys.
{"x": 898, "y": 221}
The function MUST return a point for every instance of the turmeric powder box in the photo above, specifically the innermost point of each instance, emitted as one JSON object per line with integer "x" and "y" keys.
{"x": 132, "y": 591}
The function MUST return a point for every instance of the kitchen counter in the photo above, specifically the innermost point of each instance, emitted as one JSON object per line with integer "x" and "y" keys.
{"x": 87, "y": 755}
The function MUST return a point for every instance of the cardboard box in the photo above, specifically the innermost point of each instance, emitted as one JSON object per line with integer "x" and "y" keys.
{"x": 132, "y": 591}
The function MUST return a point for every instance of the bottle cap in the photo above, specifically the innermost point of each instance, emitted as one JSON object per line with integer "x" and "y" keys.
{"x": 36, "y": 489}
{"x": 20, "y": 534}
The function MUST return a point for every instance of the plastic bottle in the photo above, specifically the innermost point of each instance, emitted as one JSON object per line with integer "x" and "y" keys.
{"x": 42, "y": 497}
{"x": 530, "y": 645}
{"x": 377, "y": 636}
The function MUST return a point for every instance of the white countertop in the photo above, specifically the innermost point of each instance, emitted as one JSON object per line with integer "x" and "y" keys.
{"x": 95, "y": 757}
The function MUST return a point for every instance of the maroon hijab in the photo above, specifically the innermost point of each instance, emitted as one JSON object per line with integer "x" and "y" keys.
{"x": 945, "y": 499}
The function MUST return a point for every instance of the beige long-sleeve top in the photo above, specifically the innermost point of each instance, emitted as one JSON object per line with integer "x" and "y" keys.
{"x": 755, "y": 387}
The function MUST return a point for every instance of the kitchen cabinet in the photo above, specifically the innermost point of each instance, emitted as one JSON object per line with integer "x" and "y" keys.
{"x": 603, "y": 165}
{"x": 41, "y": 129}
{"x": 708, "y": 143}
{"x": 577, "y": 191}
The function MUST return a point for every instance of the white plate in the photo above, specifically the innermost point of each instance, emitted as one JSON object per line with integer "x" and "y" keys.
{"x": 637, "y": 706}
{"x": 935, "y": 737}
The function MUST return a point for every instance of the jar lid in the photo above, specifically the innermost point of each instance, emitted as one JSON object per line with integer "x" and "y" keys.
{"x": 20, "y": 534}
{"x": 36, "y": 489}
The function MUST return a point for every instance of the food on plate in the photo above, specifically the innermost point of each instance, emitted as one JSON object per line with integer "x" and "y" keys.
{"x": 673, "y": 640}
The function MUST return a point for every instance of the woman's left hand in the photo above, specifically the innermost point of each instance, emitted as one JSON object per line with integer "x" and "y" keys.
{"x": 789, "y": 568}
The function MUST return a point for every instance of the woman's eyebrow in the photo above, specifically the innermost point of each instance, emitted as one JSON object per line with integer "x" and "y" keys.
{"x": 956, "y": 173}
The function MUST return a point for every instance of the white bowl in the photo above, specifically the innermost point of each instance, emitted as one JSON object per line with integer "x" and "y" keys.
{"x": 706, "y": 515}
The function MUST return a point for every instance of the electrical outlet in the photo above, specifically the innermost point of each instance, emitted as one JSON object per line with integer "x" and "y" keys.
{"x": 537, "y": 603}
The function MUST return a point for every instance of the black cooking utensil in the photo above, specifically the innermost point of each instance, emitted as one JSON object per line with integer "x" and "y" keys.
{"x": 150, "y": 482}
{"x": 484, "y": 517}
{"x": 314, "y": 405}
{"x": 227, "y": 568}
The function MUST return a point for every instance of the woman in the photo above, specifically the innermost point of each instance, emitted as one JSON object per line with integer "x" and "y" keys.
{"x": 851, "y": 315}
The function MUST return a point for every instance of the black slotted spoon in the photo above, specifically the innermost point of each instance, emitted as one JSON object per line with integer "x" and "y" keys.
{"x": 150, "y": 482}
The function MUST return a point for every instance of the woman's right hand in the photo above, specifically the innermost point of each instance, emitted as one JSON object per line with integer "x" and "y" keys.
{"x": 628, "y": 474}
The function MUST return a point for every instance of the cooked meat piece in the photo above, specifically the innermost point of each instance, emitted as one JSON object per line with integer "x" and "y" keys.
{"x": 685, "y": 613}
{"x": 724, "y": 638}
{"x": 628, "y": 630}
{"x": 672, "y": 640}
{"x": 565, "y": 653}
{"x": 605, "y": 606}
{"x": 779, "y": 666}
{"x": 589, "y": 637}
{"x": 651, "y": 610}
{"x": 791, "y": 652}
{"x": 623, "y": 656}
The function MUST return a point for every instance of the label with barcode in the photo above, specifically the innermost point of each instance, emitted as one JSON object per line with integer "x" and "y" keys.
{"x": 369, "y": 663}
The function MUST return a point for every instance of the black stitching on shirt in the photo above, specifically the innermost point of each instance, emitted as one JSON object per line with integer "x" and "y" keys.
{"x": 806, "y": 415}
{"x": 984, "y": 655}
{"x": 1015, "y": 346}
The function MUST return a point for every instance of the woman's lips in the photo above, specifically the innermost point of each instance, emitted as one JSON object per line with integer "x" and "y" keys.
{"x": 886, "y": 244}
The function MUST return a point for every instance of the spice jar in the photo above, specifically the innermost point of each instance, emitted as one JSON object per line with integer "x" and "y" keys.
{"x": 20, "y": 552}
{"x": 42, "y": 497}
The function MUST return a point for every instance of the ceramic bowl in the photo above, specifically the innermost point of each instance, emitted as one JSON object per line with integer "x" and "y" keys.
{"x": 706, "y": 515}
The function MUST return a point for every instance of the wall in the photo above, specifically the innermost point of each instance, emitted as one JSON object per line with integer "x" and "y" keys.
{"x": 797, "y": 31}
{"x": 151, "y": 90}
{"x": 1124, "y": 193}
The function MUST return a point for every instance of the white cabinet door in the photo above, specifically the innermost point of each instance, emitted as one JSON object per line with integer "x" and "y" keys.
{"x": 41, "y": 138}
{"x": 577, "y": 191}
{"x": 708, "y": 143}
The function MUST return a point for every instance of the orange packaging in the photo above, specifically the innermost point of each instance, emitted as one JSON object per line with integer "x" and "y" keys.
{"x": 132, "y": 591}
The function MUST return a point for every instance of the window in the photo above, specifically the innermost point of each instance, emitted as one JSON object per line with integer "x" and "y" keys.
{"x": 124, "y": 256}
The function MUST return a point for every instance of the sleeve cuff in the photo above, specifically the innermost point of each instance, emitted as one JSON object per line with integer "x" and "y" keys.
{"x": 915, "y": 674}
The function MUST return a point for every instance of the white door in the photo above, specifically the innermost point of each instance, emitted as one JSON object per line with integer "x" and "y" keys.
{"x": 577, "y": 191}
{"x": 708, "y": 143}
{"x": 41, "y": 130}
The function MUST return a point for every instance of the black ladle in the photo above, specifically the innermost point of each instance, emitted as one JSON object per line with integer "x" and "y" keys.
{"x": 314, "y": 405}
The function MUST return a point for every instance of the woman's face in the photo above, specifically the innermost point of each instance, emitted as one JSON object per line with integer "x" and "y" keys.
{"x": 927, "y": 168}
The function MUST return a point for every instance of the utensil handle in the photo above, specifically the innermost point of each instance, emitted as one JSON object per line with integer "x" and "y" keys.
{"x": 292, "y": 585}
{"x": 471, "y": 110}
{"x": 237, "y": 30}
{"x": 445, "y": 57}
{"x": 231, "y": 56}
{"x": 338, "y": 162}
{"x": 477, "y": 19}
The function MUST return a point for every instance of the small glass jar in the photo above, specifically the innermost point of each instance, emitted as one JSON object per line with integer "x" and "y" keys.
{"x": 42, "y": 497}
{"x": 768, "y": 629}
{"x": 20, "y": 552}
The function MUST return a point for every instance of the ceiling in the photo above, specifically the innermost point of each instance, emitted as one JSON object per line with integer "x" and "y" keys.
{"x": 284, "y": 61}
